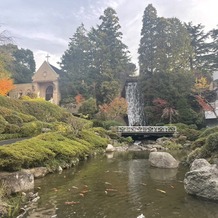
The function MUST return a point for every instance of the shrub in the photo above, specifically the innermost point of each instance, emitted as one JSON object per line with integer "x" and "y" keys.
{"x": 191, "y": 134}
{"x": 14, "y": 119}
{"x": 88, "y": 107}
{"x": 198, "y": 143}
{"x": 31, "y": 128}
{"x": 93, "y": 139}
{"x": 3, "y": 123}
{"x": 197, "y": 153}
{"x": 209, "y": 131}
{"x": 12, "y": 128}
{"x": 212, "y": 142}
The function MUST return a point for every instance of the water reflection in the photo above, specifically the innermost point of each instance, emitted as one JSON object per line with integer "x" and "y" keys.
{"x": 162, "y": 174}
{"x": 122, "y": 185}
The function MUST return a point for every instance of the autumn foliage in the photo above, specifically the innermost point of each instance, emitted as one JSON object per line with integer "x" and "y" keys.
{"x": 116, "y": 108}
{"x": 79, "y": 99}
{"x": 6, "y": 85}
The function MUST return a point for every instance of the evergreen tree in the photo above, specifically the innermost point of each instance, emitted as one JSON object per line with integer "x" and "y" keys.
{"x": 20, "y": 63}
{"x": 164, "y": 59}
{"x": 75, "y": 64}
{"x": 111, "y": 56}
{"x": 200, "y": 58}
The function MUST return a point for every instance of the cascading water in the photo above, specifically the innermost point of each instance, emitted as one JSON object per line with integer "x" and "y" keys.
{"x": 135, "y": 105}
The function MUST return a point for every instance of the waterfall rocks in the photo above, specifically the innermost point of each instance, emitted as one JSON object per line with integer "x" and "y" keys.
{"x": 162, "y": 160}
{"x": 202, "y": 180}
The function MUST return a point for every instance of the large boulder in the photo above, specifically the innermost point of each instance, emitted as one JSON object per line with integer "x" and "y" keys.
{"x": 163, "y": 160}
{"x": 202, "y": 180}
{"x": 17, "y": 182}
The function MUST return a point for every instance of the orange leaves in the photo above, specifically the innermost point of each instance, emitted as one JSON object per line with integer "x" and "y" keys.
{"x": 79, "y": 98}
{"x": 118, "y": 107}
{"x": 6, "y": 85}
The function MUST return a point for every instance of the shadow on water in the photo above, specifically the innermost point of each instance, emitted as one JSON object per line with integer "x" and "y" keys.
{"x": 121, "y": 185}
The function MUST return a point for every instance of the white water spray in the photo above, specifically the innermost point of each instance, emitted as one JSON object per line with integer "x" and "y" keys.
{"x": 135, "y": 106}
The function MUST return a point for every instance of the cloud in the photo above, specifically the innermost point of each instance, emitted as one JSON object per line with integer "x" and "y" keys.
{"x": 46, "y": 26}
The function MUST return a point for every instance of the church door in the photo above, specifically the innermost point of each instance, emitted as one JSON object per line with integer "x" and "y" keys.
{"x": 49, "y": 93}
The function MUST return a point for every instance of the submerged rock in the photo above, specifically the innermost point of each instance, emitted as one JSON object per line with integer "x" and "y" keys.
{"x": 202, "y": 180}
{"x": 162, "y": 160}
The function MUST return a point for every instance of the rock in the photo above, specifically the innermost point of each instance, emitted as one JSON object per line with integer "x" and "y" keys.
{"x": 199, "y": 163}
{"x": 163, "y": 160}
{"x": 202, "y": 180}
{"x": 160, "y": 141}
{"x": 59, "y": 169}
{"x": 17, "y": 182}
{"x": 37, "y": 172}
{"x": 110, "y": 148}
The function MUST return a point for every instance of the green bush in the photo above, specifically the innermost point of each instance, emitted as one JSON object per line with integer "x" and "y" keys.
{"x": 198, "y": 143}
{"x": 92, "y": 138}
{"x": 197, "y": 153}
{"x": 31, "y": 128}
{"x": 14, "y": 119}
{"x": 188, "y": 131}
{"x": 88, "y": 107}
{"x": 209, "y": 131}
{"x": 12, "y": 128}
{"x": 3, "y": 123}
{"x": 212, "y": 142}
{"x": 10, "y": 136}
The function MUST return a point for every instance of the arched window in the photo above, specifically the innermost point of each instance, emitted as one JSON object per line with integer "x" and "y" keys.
{"x": 49, "y": 93}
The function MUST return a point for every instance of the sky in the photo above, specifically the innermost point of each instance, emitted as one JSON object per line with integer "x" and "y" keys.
{"x": 46, "y": 26}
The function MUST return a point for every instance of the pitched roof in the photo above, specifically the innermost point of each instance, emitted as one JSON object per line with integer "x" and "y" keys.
{"x": 58, "y": 71}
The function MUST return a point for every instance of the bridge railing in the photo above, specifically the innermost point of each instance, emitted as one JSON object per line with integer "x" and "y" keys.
{"x": 147, "y": 129}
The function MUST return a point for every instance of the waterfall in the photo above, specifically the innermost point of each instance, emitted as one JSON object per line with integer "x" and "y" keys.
{"x": 135, "y": 105}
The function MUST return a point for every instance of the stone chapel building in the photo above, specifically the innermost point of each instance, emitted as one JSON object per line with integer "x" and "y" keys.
{"x": 45, "y": 84}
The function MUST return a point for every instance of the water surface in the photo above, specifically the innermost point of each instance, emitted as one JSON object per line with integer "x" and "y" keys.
{"x": 118, "y": 186}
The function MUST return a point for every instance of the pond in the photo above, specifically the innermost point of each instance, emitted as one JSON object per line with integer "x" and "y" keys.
{"x": 122, "y": 185}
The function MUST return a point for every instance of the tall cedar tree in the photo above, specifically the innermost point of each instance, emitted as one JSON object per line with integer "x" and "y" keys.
{"x": 96, "y": 64}
{"x": 75, "y": 64}
{"x": 110, "y": 56}
{"x": 164, "y": 53}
